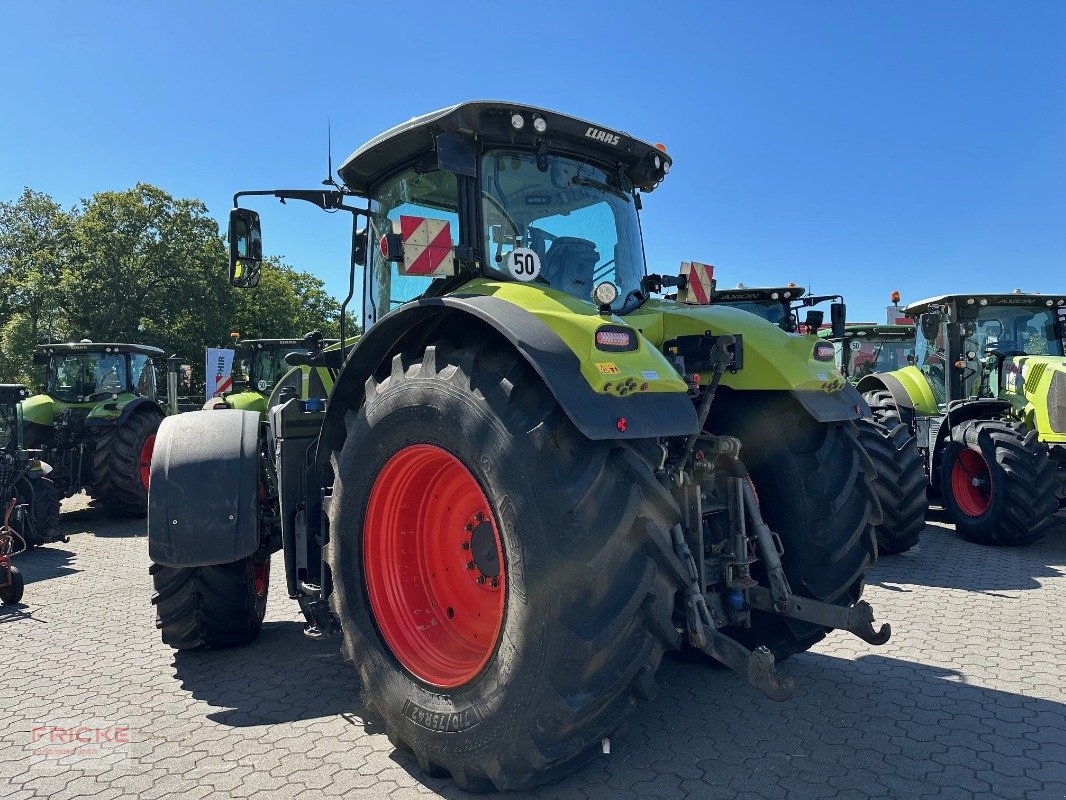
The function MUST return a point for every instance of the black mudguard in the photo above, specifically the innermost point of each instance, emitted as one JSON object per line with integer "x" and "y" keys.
{"x": 203, "y": 501}
{"x": 595, "y": 414}
{"x": 839, "y": 406}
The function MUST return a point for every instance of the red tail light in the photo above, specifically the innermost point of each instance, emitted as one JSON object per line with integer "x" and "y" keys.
{"x": 823, "y": 351}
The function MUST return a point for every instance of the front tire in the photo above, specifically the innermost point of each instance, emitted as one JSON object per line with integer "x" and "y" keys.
{"x": 209, "y": 608}
{"x": 883, "y": 407}
{"x": 815, "y": 490}
{"x": 900, "y": 484}
{"x": 122, "y": 461}
{"x": 998, "y": 483}
{"x": 586, "y": 573}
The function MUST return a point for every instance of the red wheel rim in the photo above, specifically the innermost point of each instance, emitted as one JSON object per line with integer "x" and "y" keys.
{"x": 259, "y": 577}
{"x": 434, "y": 566}
{"x": 971, "y": 483}
{"x": 145, "y": 461}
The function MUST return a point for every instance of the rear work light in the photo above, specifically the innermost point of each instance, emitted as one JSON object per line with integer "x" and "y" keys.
{"x": 615, "y": 339}
{"x": 823, "y": 351}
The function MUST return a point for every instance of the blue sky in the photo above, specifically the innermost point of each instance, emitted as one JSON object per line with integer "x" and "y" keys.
{"x": 850, "y": 146}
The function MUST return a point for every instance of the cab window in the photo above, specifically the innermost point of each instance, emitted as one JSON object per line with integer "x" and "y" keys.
{"x": 415, "y": 194}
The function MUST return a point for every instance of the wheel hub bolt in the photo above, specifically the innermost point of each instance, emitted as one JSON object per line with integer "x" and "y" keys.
{"x": 466, "y": 545}
{"x": 469, "y": 564}
{"x": 495, "y": 583}
{"x": 480, "y": 578}
{"x": 479, "y": 517}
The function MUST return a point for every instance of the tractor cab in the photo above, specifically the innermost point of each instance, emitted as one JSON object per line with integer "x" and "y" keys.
{"x": 979, "y": 346}
{"x": 781, "y": 305}
{"x": 866, "y": 348}
{"x": 260, "y": 363}
{"x": 88, "y": 372}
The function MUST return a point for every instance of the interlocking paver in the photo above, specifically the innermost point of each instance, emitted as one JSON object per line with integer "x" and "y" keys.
{"x": 967, "y": 700}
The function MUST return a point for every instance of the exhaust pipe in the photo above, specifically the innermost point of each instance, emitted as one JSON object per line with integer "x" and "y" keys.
{"x": 172, "y": 383}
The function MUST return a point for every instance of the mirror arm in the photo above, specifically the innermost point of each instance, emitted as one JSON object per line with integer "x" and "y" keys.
{"x": 327, "y": 200}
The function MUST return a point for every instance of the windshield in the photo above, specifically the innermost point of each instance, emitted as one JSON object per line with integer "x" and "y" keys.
{"x": 1013, "y": 329}
{"x": 867, "y": 356}
{"x": 580, "y": 222}
{"x": 77, "y": 377}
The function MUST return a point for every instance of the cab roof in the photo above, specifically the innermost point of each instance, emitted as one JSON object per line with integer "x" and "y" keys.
{"x": 269, "y": 344}
{"x": 490, "y": 123}
{"x": 1002, "y": 299}
{"x": 757, "y": 293}
{"x": 873, "y": 330}
{"x": 98, "y": 347}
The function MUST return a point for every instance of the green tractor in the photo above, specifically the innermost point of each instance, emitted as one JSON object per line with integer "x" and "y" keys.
{"x": 986, "y": 397}
{"x": 96, "y": 421}
{"x": 28, "y": 497}
{"x": 531, "y": 477}
{"x": 867, "y": 348}
{"x": 260, "y": 367}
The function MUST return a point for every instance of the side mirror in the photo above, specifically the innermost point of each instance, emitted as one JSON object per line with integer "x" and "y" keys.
{"x": 814, "y": 321}
{"x": 41, "y": 359}
{"x": 245, "y": 248}
{"x": 359, "y": 240}
{"x": 838, "y": 316}
{"x": 930, "y": 325}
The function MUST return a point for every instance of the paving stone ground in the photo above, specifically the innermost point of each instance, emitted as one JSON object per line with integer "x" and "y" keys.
{"x": 968, "y": 699}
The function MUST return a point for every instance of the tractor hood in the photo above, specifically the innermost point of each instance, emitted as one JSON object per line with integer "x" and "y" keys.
{"x": 1036, "y": 387}
{"x": 773, "y": 359}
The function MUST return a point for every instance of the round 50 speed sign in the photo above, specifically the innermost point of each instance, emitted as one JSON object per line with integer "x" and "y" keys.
{"x": 523, "y": 264}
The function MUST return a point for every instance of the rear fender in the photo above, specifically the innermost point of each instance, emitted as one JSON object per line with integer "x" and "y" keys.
{"x": 116, "y": 412}
{"x": 203, "y": 506}
{"x": 598, "y": 415}
{"x": 909, "y": 389}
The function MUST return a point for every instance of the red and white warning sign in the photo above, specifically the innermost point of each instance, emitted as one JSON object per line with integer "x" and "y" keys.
{"x": 427, "y": 246}
{"x": 700, "y": 286}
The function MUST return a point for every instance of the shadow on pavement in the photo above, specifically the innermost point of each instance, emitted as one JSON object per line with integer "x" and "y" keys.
{"x": 100, "y": 522}
{"x": 914, "y": 729}
{"x": 43, "y": 563}
{"x": 943, "y": 559}
{"x": 281, "y": 677}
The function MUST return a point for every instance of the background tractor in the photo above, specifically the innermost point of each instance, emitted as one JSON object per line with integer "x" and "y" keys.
{"x": 259, "y": 365}
{"x": 96, "y": 421}
{"x": 28, "y": 496}
{"x": 986, "y": 396}
{"x": 866, "y": 348}
{"x": 532, "y": 476}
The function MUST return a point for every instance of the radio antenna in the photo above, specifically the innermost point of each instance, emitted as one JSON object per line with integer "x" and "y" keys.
{"x": 329, "y": 181}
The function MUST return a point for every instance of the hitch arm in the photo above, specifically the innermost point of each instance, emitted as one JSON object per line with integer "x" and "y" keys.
{"x": 857, "y": 619}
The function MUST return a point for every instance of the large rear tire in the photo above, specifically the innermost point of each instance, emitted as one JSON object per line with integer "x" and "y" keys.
{"x": 464, "y": 448}
{"x": 122, "y": 460}
{"x": 900, "y": 484}
{"x": 815, "y": 490}
{"x": 211, "y": 607}
{"x": 999, "y": 483}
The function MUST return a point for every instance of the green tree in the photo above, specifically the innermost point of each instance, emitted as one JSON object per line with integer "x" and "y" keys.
{"x": 36, "y": 243}
{"x": 149, "y": 268}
